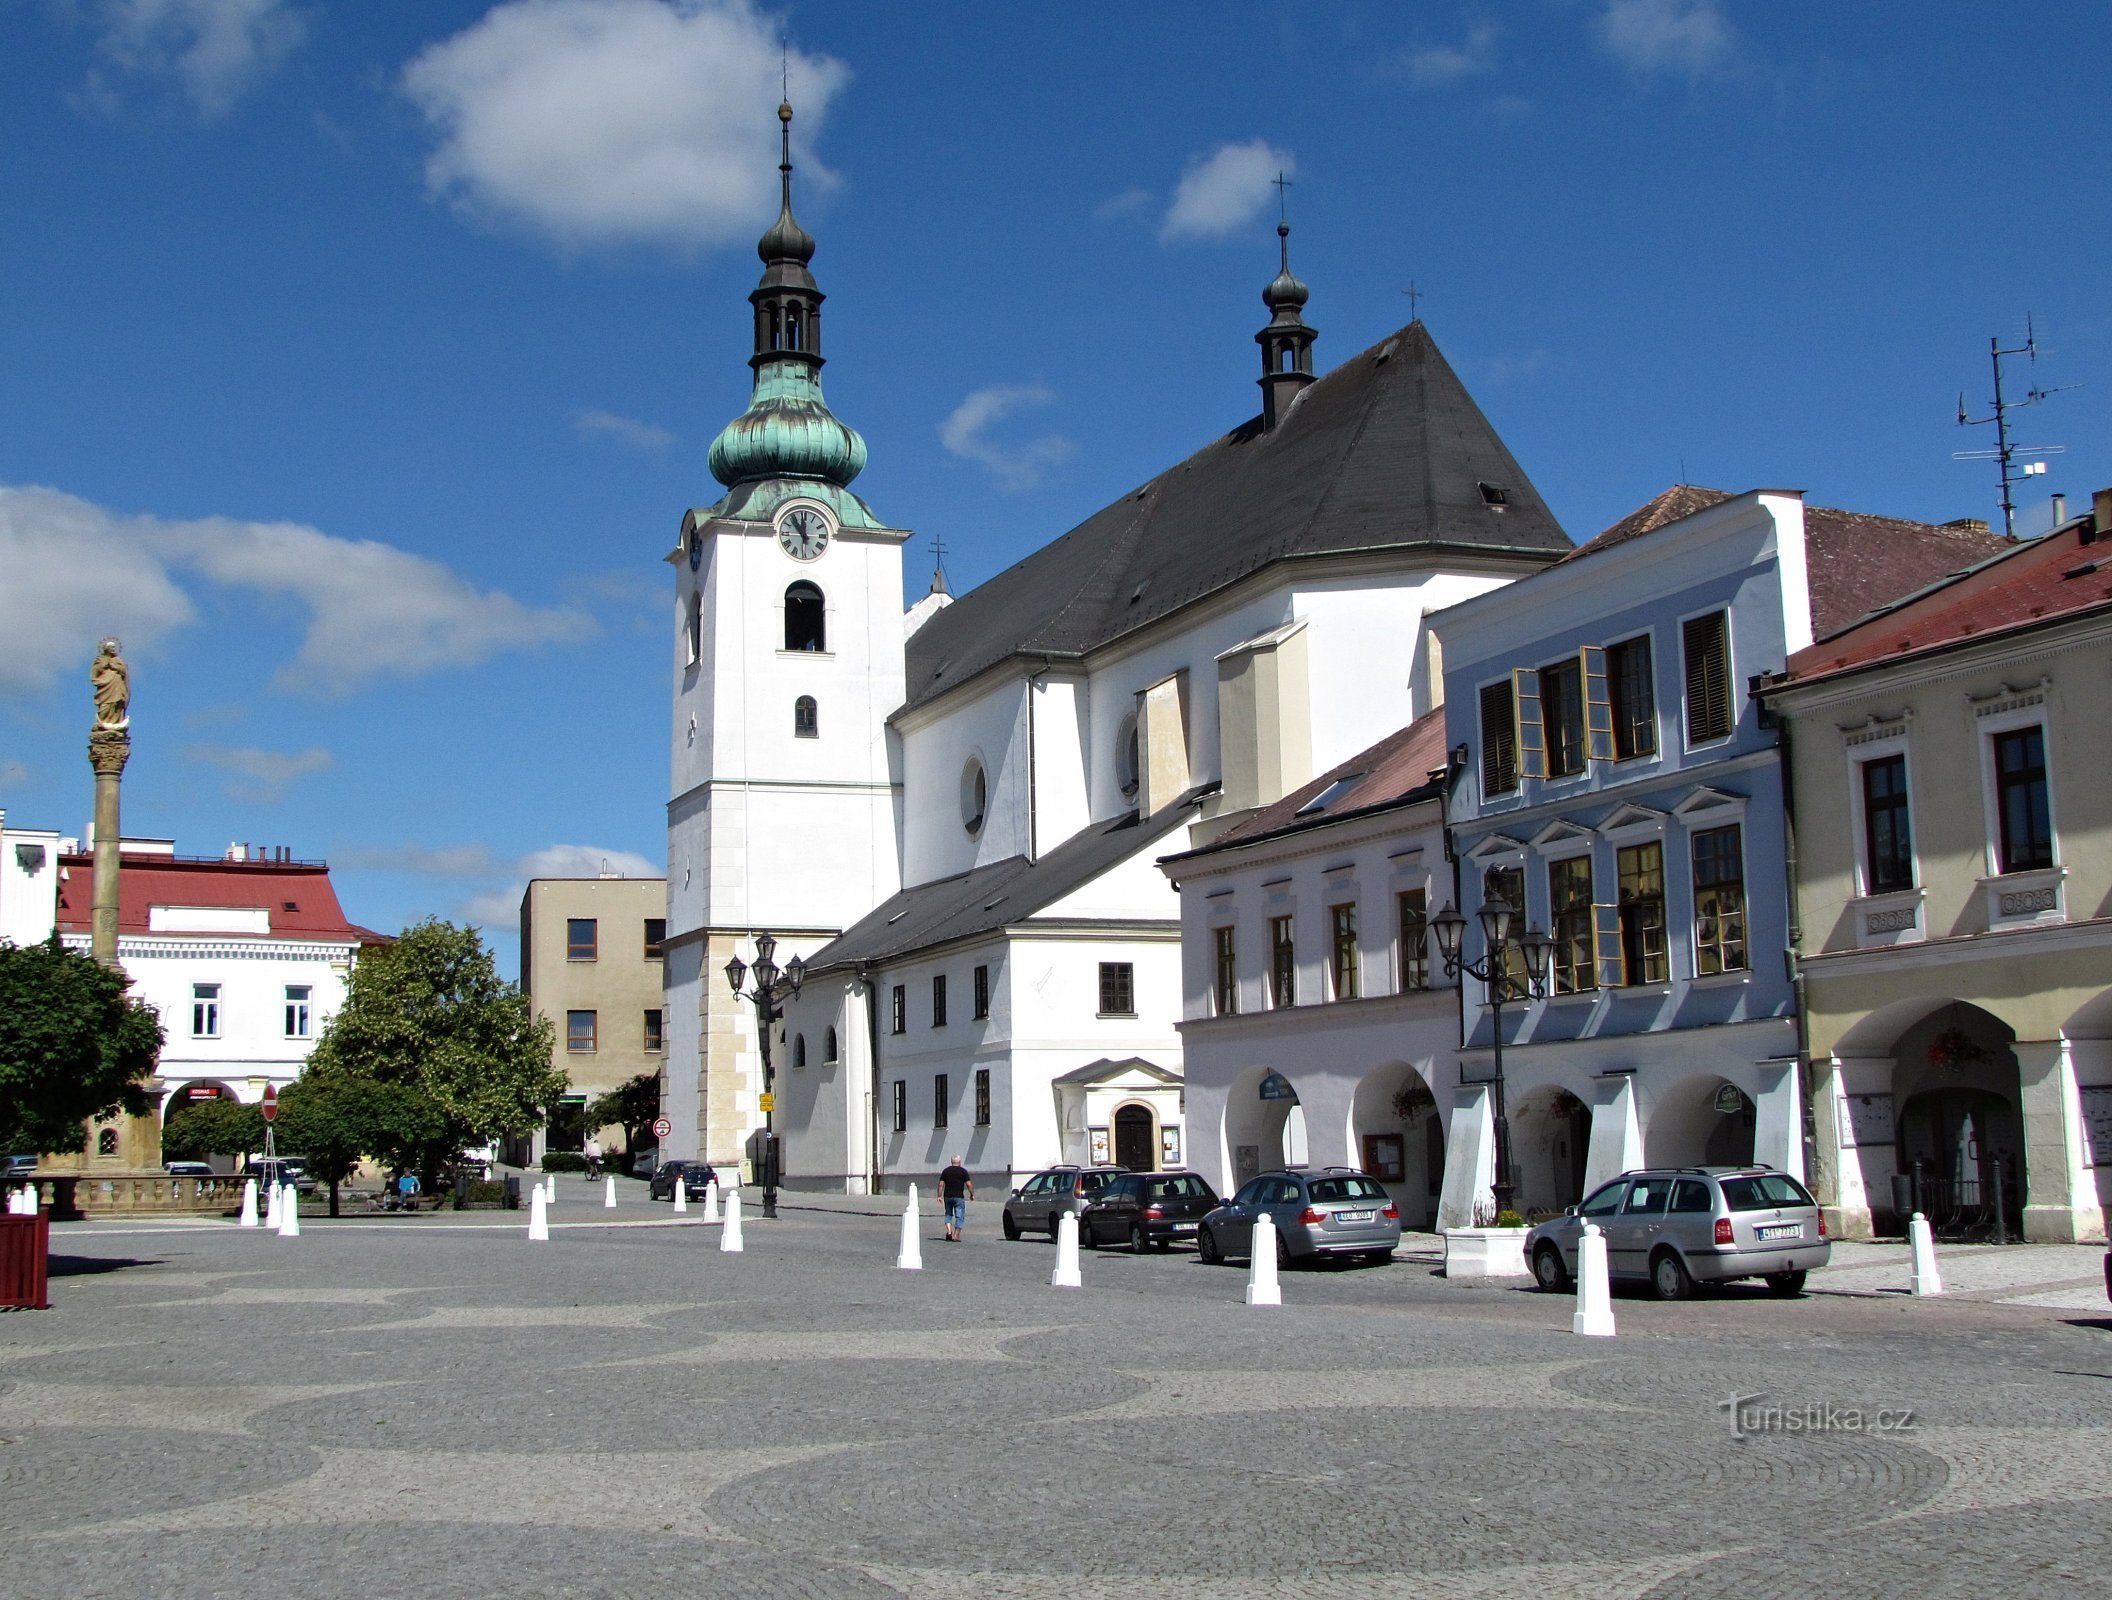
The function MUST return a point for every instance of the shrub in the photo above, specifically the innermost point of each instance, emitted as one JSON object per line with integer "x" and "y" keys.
{"x": 485, "y": 1194}
{"x": 564, "y": 1161}
{"x": 1509, "y": 1219}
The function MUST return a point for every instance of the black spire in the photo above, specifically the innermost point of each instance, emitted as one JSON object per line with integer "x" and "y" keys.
{"x": 1287, "y": 342}
{"x": 787, "y": 303}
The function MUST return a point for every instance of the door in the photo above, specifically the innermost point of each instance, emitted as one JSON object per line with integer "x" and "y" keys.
{"x": 1635, "y": 1232}
{"x": 1235, "y": 1230}
{"x": 1136, "y": 1142}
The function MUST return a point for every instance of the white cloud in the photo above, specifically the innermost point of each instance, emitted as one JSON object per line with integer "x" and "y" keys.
{"x": 496, "y": 900}
{"x": 1433, "y": 66}
{"x": 646, "y": 436}
{"x": 76, "y": 571}
{"x": 1225, "y": 190}
{"x": 215, "y": 48}
{"x": 617, "y": 121}
{"x": 1688, "y": 37}
{"x": 260, "y": 775}
{"x": 1015, "y": 467}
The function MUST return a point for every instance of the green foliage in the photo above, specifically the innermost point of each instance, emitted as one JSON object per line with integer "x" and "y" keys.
{"x": 1509, "y": 1219}
{"x": 430, "y": 1013}
{"x": 335, "y": 1119}
{"x": 212, "y": 1128}
{"x": 72, "y": 1046}
{"x": 634, "y": 1104}
{"x": 564, "y": 1161}
{"x": 483, "y": 1194}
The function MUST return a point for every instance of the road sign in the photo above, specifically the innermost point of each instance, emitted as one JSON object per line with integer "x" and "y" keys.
{"x": 769, "y": 1104}
{"x": 271, "y": 1102}
{"x": 662, "y": 1127}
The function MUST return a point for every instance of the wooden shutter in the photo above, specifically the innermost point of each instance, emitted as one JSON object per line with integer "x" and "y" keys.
{"x": 1708, "y": 678}
{"x": 1598, "y": 705}
{"x": 1499, "y": 740}
{"x": 1532, "y": 737}
{"x": 1606, "y": 939}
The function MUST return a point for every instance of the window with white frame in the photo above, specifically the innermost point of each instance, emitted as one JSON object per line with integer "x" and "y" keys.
{"x": 1571, "y": 966}
{"x": 1342, "y": 950}
{"x": 205, "y": 1010}
{"x": 2023, "y": 810}
{"x": 1888, "y": 829}
{"x": 1633, "y": 694}
{"x": 1719, "y": 900}
{"x": 1706, "y": 647}
{"x": 1639, "y": 947}
{"x": 1508, "y": 885}
{"x": 1283, "y": 964}
{"x": 1562, "y": 712}
{"x": 1225, "y": 942}
{"x": 1413, "y": 908}
{"x": 901, "y": 1105}
{"x": 297, "y": 1018}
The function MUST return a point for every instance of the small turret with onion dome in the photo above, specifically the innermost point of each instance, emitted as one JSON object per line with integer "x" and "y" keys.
{"x": 787, "y": 443}
{"x": 1287, "y": 342}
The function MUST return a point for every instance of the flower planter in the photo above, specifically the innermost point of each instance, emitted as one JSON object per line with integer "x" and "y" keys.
{"x": 1485, "y": 1253}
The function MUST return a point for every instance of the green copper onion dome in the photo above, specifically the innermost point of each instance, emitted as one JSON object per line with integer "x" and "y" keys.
{"x": 788, "y": 431}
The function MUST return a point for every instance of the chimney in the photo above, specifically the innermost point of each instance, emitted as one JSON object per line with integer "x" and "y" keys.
{"x": 2060, "y": 509}
{"x": 2101, "y": 517}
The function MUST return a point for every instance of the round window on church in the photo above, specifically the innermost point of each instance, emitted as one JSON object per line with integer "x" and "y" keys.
{"x": 975, "y": 797}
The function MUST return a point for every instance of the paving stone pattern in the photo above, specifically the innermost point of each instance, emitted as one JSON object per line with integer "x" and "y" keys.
{"x": 433, "y": 1406}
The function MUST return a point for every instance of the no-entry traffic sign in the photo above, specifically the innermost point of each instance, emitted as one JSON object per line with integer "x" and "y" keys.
{"x": 271, "y": 1102}
{"x": 662, "y": 1127}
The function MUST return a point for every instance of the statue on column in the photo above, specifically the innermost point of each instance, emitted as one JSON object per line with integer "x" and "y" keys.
{"x": 112, "y": 682}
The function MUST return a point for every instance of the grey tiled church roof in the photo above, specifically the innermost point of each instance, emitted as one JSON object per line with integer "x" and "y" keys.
{"x": 1385, "y": 452}
{"x": 998, "y": 894}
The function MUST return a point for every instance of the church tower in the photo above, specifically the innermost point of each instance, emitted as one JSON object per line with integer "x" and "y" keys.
{"x": 788, "y": 659}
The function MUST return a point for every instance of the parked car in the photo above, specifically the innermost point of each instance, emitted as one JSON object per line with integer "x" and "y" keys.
{"x": 1674, "y": 1227}
{"x": 1146, "y": 1210}
{"x": 1036, "y": 1204}
{"x": 188, "y": 1169}
{"x": 694, "y": 1176}
{"x": 1325, "y": 1211}
{"x": 270, "y": 1171}
{"x": 19, "y": 1169}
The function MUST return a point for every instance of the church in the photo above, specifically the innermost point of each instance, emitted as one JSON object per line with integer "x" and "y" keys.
{"x": 951, "y": 814}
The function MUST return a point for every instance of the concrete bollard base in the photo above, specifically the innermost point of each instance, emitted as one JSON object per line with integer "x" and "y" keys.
{"x": 1262, "y": 1287}
{"x": 1594, "y": 1314}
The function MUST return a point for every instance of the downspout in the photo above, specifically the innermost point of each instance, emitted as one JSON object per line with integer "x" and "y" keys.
{"x": 1793, "y": 955}
{"x": 871, "y": 986}
{"x": 1455, "y": 767}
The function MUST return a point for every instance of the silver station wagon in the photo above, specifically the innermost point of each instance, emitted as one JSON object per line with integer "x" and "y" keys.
{"x": 1675, "y": 1227}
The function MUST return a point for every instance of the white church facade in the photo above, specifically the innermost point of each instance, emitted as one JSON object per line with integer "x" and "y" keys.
{"x": 953, "y": 814}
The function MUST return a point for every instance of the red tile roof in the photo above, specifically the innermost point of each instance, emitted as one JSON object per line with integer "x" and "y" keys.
{"x": 297, "y": 894}
{"x": 1389, "y": 772}
{"x": 1854, "y": 562}
{"x": 2024, "y": 586}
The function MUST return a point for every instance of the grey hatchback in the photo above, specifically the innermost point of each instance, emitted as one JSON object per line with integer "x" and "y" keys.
{"x": 1674, "y": 1227}
{"x": 1332, "y": 1211}
{"x": 1036, "y": 1204}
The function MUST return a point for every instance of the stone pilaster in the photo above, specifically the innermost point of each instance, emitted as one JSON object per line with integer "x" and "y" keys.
{"x": 108, "y": 750}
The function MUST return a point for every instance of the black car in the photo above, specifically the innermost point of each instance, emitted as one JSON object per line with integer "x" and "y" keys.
{"x": 1140, "y": 1209}
{"x": 696, "y": 1176}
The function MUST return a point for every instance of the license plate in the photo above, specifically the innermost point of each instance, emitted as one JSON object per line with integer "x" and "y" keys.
{"x": 1354, "y": 1216}
{"x": 1184, "y": 1227}
{"x": 1783, "y": 1230}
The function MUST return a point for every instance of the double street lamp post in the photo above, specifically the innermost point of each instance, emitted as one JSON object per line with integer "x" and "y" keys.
{"x": 1494, "y": 970}
{"x": 772, "y": 987}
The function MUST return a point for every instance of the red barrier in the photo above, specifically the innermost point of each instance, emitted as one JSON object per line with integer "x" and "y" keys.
{"x": 25, "y": 1245}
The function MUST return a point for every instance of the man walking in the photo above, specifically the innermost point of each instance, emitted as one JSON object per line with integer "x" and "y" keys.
{"x": 956, "y": 1188}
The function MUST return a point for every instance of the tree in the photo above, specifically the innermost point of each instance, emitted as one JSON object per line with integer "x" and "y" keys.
{"x": 634, "y": 1103}
{"x": 430, "y": 1013}
{"x": 333, "y": 1120}
{"x": 73, "y": 1046}
{"x": 212, "y": 1128}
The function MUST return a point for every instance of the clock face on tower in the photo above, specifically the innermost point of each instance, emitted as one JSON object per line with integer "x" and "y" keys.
{"x": 803, "y": 531}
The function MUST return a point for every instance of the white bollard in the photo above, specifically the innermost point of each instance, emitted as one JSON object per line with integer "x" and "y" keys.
{"x": 730, "y": 1240}
{"x": 682, "y": 1195}
{"x": 271, "y": 1208}
{"x": 1066, "y": 1274}
{"x": 711, "y": 1201}
{"x": 1921, "y": 1239}
{"x": 538, "y": 1216}
{"x": 1262, "y": 1288}
{"x": 910, "y": 1257}
{"x": 249, "y": 1203}
{"x": 608, "y": 1195}
{"x": 290, "y": 1214}
{"x": 1594, "y": 1313}
{"x": 550, "y": 1190}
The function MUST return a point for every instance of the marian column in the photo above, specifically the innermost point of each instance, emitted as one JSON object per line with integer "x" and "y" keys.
{"x": 109, "y": 744}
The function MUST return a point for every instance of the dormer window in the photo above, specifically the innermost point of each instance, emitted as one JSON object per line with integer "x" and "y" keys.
{"x": 1492, "y": 495}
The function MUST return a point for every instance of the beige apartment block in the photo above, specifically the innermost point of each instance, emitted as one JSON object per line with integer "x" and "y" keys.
{"x": 1954, "y": 881}
{"x": 591, "y": 957}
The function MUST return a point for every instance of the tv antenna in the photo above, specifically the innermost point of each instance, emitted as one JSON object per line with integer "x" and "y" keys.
{"x": 2005, "y": 452}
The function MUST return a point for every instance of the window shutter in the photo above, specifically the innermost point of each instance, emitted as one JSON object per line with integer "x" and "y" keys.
{"x": 1598, "y": 705}
{"x": 1606, "y": 936}
{"x": 1532, "y": 737}
{"x": 1499, "y": 740}
{"x": 1708, "y": 678}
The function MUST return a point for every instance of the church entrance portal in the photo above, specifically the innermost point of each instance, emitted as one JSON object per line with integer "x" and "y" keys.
{"x": 1135, "y": 1141}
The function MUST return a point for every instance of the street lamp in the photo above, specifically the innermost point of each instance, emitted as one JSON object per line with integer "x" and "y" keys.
{"x": 771, "y": 989}
{"x": 1496, "y": 916}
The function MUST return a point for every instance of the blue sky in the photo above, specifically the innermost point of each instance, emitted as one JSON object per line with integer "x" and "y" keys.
{"x": 359, "y": 360}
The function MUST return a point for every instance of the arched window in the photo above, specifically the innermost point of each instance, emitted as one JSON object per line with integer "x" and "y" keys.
{"x": 828, "y": 1045}
{"x": 805, "y": 625}
{"x": 693, "y": 629}
{"x": 106, "y": 1142}
{"x": 805, "y": 718}
{"x": 975, "y": 797}
{"x": 791, "y": 328}
{"x": 799, "y": 1050}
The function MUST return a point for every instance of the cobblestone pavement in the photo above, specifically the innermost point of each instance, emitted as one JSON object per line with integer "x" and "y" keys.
{"x": 434, "y": 1406}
